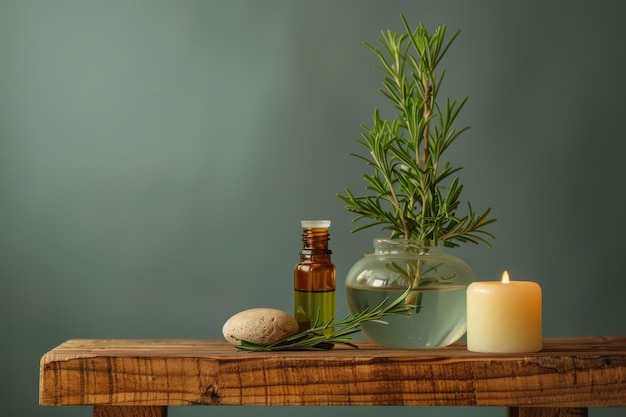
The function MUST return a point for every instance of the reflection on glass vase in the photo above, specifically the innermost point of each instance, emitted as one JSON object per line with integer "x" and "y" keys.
{"x": 440, "y": 281}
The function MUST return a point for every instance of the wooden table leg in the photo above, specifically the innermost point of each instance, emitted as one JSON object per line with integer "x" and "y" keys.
{"x": 547, "y": 412}
{"x": 128, "y": 411}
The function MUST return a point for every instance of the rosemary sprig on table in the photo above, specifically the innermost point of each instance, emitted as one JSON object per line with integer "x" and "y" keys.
{"x": 315, "y": 338}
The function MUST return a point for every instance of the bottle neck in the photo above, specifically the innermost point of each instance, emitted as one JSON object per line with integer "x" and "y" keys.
{"x": 315, "y": 243}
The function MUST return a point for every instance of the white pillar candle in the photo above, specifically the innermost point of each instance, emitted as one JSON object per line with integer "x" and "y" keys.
{"x": 504, "y": 316}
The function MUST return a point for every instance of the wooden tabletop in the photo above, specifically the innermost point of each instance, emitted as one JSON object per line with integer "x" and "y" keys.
{"x": 576, "y": 372}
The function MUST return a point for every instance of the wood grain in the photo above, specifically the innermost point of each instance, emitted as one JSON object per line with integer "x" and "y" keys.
{"x": 567, "y": 373}
{"x": 128, "y": 411}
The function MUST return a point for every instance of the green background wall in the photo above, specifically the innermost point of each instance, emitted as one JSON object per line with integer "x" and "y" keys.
{"x": 156, "y": 158}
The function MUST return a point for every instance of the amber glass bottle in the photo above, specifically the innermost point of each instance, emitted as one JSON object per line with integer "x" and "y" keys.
{"x": 314, "y": 277}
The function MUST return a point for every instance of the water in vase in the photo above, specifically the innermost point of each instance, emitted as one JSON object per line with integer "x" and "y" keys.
{"x": 439, "y": 321}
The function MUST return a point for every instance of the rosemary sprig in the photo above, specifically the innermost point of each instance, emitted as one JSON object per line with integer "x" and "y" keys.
{"x": 315, "y": 338}
{"x": 413, "y": 191}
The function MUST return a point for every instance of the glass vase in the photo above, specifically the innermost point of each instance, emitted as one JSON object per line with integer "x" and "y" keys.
{"x": 439, "y": 281}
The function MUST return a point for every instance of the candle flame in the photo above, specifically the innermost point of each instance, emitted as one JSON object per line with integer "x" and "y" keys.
{"x": 505, "y": 277}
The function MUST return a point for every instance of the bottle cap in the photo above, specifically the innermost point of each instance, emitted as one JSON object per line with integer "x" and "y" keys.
{"x": 315, "y": 224}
